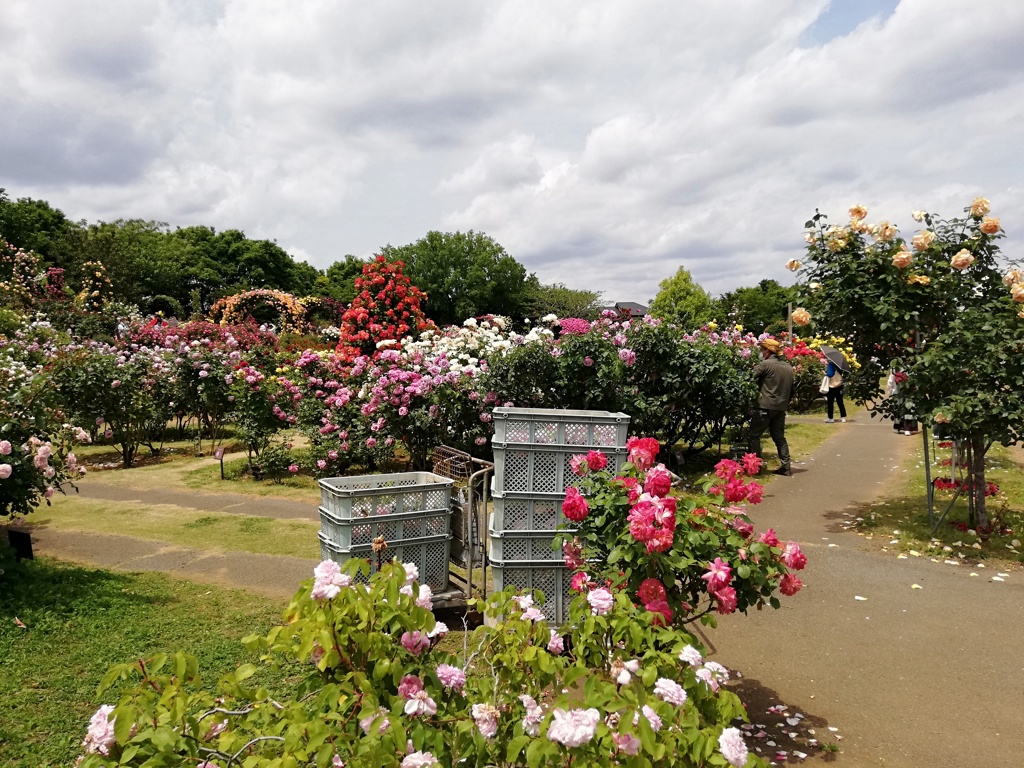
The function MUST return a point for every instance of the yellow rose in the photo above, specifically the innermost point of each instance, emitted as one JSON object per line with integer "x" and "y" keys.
{"x": 802, "y": 317}
{"x": 919, "y": 215}
{"x": 1017, "y": 291}
{"x": 808, "y": 237}
{"x": 1021, "y": 314}
{"x": 979, "y": 207}
{"x": 962, "y": 260}
{"x": 883, "y": 232}
{"x": 989, "y": 225}
{"x": 941, "y": 418}
{"x": 793, "y": 265}
{"x": 923, "y": 239}
{"x": 902, "y": 258}
{"x": 739, "y": 329}
{"x": 858, "y": 212}
{"x": 859, "y": 225}
{"x": 919, "y": 280}
{"x": 713, "y": 326}
{"x": 1013, "y": 276}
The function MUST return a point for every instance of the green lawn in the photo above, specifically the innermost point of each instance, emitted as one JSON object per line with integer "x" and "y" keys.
{"x": 903, "y": 516}
{"x": 183, "y": 526}
{"x": 78, "y": 622}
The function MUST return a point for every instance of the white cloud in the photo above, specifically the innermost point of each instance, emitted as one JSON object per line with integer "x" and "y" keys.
{"x": 603, "y": 144}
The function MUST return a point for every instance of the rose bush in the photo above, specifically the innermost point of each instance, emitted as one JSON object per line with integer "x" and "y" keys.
{"x": 679, "y": 560}
{"x": 942, "y": 316}
{"x": 376, "y": 689}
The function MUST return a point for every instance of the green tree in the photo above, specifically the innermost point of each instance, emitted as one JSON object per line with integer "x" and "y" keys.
{"x": 304, "y": 279}
{"x": 34, "y": 225}
{"x": 464, "y": 274}
{"x": 560, "y": 300}
{"x": 941, "y": 315}
{"x": 339, "y": 280}
{"x": 756, "y": 308}
{"x": 682, "y": 301}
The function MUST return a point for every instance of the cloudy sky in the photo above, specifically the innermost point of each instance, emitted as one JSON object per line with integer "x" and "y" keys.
{"x": 604, "y": 143}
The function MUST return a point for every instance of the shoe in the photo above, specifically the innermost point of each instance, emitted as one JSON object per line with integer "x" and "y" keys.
{"x": 784, "y": 471}
{"x": 831, "y": 421}
{"x": 843, "y": 420}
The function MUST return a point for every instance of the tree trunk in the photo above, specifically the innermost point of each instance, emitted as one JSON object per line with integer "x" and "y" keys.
{"x": 977, "y": 478}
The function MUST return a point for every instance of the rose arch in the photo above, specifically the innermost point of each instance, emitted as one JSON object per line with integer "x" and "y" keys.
{"x": 255, "y": 304}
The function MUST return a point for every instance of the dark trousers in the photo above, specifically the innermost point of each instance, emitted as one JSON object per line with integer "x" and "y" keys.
{"x": 834, "y": 396}
{"x": 775, "y": 423}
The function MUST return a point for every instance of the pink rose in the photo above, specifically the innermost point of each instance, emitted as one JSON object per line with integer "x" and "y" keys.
{"x": 293, "y": 468}
{"x": 718, "y": 576}
{"x": 769, "y": 538}
{"x": 5, "y": 471}
{"x": 579, "y": 581}
{"x": 415, "y": 642}
{"x": 790, "y": 584}
{"x": 596, "y": 460}
{"x": 556, "y": 644}
{"x": 751, "y": 464}
{"x": 650, "y": 590}
{"x": 5, "y": 447}
{"x": 659, "y": 481}
{"x": 642, "y": 451}
{"x": 793, "y": 557}
{"x": 588, "y": 361}
{"x": 575, "y": 506}
{"x": 601, "y": 601}
{"x": 726, "y": 600}
{"x": 578, "y": 465}
{"x": 662, "y": 608}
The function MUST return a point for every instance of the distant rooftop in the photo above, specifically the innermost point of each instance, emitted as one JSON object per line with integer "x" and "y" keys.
{"x": 634, "y": 309}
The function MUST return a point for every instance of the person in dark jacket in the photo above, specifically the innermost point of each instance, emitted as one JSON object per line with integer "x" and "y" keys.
{"x": 774, "y": 377}
{"x": 834, "y": 396}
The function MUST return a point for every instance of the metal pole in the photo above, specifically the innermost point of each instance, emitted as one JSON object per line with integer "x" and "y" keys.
{"x": 928, "y": 476}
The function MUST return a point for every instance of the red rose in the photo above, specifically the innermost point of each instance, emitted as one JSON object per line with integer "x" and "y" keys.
{"x": 790, "y": 585}
{"x": 650, "y": 590}
{"x": 575, "y": 506}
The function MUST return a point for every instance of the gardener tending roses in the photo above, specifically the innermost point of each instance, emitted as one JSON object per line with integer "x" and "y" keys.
{"x": 774, "y": 376}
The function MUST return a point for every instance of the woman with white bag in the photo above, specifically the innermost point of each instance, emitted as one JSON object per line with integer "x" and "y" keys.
{"x": 834, "y": 393}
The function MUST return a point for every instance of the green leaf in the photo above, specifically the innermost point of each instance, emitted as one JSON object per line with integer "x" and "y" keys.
{"x": 515, "y": 747}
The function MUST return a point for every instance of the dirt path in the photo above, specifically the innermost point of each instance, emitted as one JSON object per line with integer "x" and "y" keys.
{"x": 911, "y": 677}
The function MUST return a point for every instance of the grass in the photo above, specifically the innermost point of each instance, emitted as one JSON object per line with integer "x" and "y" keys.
{"x": 79, "y": 622}
{"x": 183, "y": 526}
{"x": 236, "y": 480}
{"x": 803, "y": 438}
{"x": 903, "y": 516}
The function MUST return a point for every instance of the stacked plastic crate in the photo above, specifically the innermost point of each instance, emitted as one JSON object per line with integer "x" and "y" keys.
{"x": 409, "y": 511}
{"x": 532, "y": 451}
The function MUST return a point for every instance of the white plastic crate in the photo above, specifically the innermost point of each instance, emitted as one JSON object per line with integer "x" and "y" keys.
{"x": 533, "y": 469}
{"x": 524, "y": 512}
{"x": 545, "y": 426}
{"x": 362, "y": 531}
{"x": 350, "y": 498}
{"x": 551, "y": 579}
{"x": 429, "y": 554}
{"x": 523, "y": 546}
